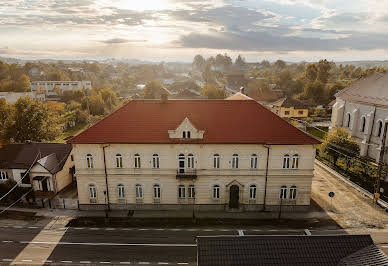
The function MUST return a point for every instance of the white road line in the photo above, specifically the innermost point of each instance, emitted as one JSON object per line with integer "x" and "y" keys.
{"x": 125, "y": 262}
{"x": 104, "y": 262}
{"x": 32, "y": 227}
{"x": 160, "y": 229}
{"x": 273, "y": 230}
{"x": 85, "y": 261}
{"x": 7, "y": 241}
{"x": 182, "y": 263}
{"x": 48, "y": 261}
{"x": 66, "y": 261}
{"x": 256, "y": 230}
{"x": 110, "y": 229}
{"x": 27, "y": 260}
{"x": 208, "y": 230}
{"x": 108, "y": 244}
{"x": 224, "y": 230}
{"x": 163, "y": 263}
{"x": 240, "y": 232}
{"x": 7, "y": 259}
{"x": 144, "y": 262}
{"x": 93, "y": 228}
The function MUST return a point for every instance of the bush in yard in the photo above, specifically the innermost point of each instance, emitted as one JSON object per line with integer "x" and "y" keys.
{"x": 338, "y": 143}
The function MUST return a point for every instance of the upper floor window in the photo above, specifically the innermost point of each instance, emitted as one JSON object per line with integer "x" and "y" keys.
{"x": 182, "y": 191}
{"x": 295, "y": 161}
{"x": 92, "y": 192}
{"x": 155, "y": 161}
{"x": 156, "y": 191}
{"x": 139, "y": 191}
{"x": 3, "y": 175}
{"x": 379, "y": 128}
{"x": 191, "y": 191}
{"x": 363, "y": 124}
{"x": 286, "y": 161}
{"x": 120, "y": 191}
{"x": 137, "y": 161}
{"x": 293, "y": 192}
{"x": 190, "y": 161}
{"x": 216, "y": 161}
{"x": 253, "y": 161}
{"x": 252, "y": 192}
{"x": 119, "y": 161}
{"x": 235, "y": 161}
{"x": 287, "y": 112}
{"x": 216, "y": 192}
{"x": 184, "y": 134}
{"x": 89, "y": 161}
{"x": 283, "y": 192}
{"x": 348, "y": 119}
{"x": 188, "y": 134}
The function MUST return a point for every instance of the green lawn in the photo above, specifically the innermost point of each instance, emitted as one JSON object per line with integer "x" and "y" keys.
{"x": 316, "y": 133}
{"x": 71, "y": 132}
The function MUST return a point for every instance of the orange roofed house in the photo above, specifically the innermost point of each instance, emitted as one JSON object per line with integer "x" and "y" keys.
{"x": 194, "y": 154}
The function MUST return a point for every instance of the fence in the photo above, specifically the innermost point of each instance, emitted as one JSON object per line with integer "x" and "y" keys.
{"x": 70, "y": 204}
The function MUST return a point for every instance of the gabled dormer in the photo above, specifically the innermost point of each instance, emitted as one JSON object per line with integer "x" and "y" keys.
{"x": 186, "y": 130}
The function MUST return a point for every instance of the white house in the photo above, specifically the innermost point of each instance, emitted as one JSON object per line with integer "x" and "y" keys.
{"x": 362, "y": 109}
{"x": 12, "y": 97}
{"x": 194, "y": 154}
{"x": 49, "y": 86}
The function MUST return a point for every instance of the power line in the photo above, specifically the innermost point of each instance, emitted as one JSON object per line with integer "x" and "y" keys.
{"x": 10, "y": 206}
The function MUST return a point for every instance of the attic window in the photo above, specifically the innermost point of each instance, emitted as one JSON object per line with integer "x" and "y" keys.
{"x": 188, "y": 134}
{"x": 184, "y": 134}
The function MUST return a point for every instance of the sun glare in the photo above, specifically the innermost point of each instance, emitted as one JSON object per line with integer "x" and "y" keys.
{"x": 141, "y": 5}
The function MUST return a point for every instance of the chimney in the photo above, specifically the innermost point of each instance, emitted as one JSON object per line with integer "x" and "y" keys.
{"x": 163, "y": 97}
{"x": 242, "y": 90}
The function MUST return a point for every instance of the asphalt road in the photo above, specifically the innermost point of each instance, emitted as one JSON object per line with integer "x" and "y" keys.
{"x": 134, "y": 246}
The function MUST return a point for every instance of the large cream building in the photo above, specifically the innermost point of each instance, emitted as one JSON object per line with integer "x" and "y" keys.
{"x": 194, "y": 154}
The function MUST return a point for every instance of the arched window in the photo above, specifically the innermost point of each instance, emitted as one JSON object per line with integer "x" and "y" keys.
{"x": 156, "y": 191}
{"x": 216, "y": 161}
{"x": 191, "y": 191}
{"x": 253, "y": 161}
{"x": 155, "y": 161}
{"x": 137, "y": 161}
{"x": 363, "y": 124}
{"x": 119, "y": 161}
{"x": 120, "y": 191}
{"x": 295, "y": 161}
{"x": 379, "y": 128}
{"x": 182, "y": 191}
{"x": 92, "y": 192}
{"x": 188, "y": 134}
{"x": 190, "y": 161}
{"x": 286, "y": 161}
{"x": 283, "y": 192}
{"x": 216, "y": 192}
{"x": 252, "y": 192}
{"x": 293, "y": 192}
{"x": 89, "y": 161}
{"x": 235, "y": 161}
{"x": 139, "y": 191}
{"x": 348, "y": 119}
{"x": 184, "y": 134}
{"x": 4, "y": 175}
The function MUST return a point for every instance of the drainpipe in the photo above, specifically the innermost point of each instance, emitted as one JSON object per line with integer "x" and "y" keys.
{"x": 266, "y": 177}
{"x": 106, "y": 178}
{"x": 371, "y": 131}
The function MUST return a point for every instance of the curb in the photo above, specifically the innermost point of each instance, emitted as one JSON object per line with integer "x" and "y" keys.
{"x": 382, "y": 203}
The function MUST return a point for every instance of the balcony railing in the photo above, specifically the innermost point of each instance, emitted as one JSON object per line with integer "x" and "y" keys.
{"x": 186, "y": 173}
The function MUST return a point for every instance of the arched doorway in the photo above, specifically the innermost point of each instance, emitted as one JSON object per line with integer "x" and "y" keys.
{"x": 234, "y": 197}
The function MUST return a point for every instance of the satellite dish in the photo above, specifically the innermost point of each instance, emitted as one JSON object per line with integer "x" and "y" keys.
{"x": 331, "y": 194}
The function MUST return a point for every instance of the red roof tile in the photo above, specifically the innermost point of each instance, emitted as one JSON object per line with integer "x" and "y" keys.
{"x": 239, "y": 122}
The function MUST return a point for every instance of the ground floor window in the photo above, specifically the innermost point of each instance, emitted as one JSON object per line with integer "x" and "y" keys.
{"x": 92, "y": 192}
{"x": 191, "y": 192}
{"x": 216, "y": 192}
{"x": 120, "y": 189}
{"x": 181, "y": 192}
{"x": 283, "y": 192}
{"x": 3, "y": 175}
{"x": 139, "y": 191}
{"x": 293, "y": 192}
{"x": 156, "y": 191}
{"x": 252, "y": 192}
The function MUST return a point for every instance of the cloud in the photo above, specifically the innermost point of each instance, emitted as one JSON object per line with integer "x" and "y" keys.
{"x": 119, "y": 40}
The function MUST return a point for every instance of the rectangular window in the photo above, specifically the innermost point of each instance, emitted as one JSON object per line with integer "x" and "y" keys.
{"x": 235, "y": 162}
{"x": 155, "y": 162}
{"x": 191, "y": 192}
{"x": 156, "y": 192}
{"x": 254, "y": 162}
{"x": 283, "y": 193}
{"x": 121, "y": 192}
{"x": 181, "y": 192}
{"x": 216, "y": 192}
{"x": 119, "y": 162}
{"x": 3, "y": 175}
{"x": 252, "y": 192}
{"x": 137, "y": 161}
{"x": 139, "y": 192}
{"x": 92, "y": 192}
{"x": 216, "y": 162}
{"x": 286, "y": 162}
{"x": 295, "y": 162}
{"x": 287, "y": 112}
{"x": 293, "y": 193}
{"x": 190, "y": 161}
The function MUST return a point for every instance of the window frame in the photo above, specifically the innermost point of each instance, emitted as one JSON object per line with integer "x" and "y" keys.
{"x": 137, "y": 161}
{"x": 155, "y": 161}
{"x": 181, "y": 191}
{"x": 295, "y": 161}
{"x": 363, "y": 124}
{"x": 286, "y": 161}
{"x": 254, "y": 161}
{"x": 252, "y": 192}
{"x": 283, "y": 193}
{"x": 92, "y": 191}
{"x": 235, "y": 161}
{"x": 380, "y": 126}
{"x": 120, "y": 191}
{"x": 216, "y": 192}
{"x": 139, "y": 191}
{"x": 119, "y": 160}
{"x": 293, "y": 192}
{"x": 349, "y": 119}
{"x": 89, "y": 161}
{"x": 191, "y": 192}
{"x": 157, "y": 191}
{"x": 216, "y": 161}
{"x": 190, "y": 161}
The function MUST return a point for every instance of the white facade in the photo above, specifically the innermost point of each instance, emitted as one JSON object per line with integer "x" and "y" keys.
{"x": 49, "y": 86}
{"x": 148, "y": 176}
{"x": 16, "y": 174}
{"x": 12, "y": 97}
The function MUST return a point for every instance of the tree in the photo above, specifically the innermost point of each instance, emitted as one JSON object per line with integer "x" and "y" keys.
{"x": 151, "y": 89}
{"x": 6, "y": 114}
{"x": 311, "y": 72}
{"x": 109, "y": 97}
{"x": 323, "y": 67}
{"x": 207, "y": 74}
{"x": 240, "y": 61}
{"x": 280, "y": 64}
{"x": 336, "y": 140}
{"x": 265, "y": 64}
{"x": 212, "y": 92}
{"x": 33, "y": 120}
{"x": 315, "y": 91}
{"x": 96, "y": 104}
{"x": 198, "y": 62}
{"x": 23, "y": 83}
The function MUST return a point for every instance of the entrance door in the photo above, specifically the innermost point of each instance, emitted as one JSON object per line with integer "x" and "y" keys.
{"x": 234, "y": 197}
{"x": 181, "y": 164}
{"x": 44, "y": 185}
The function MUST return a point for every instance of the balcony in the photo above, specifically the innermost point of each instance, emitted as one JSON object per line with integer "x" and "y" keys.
{"x": 186, "y": 173}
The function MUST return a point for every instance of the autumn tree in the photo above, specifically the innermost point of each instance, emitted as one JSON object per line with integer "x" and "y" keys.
{"x": 212, "y": 92}
{"x": 323, "y": 68}
{"x": 6, "y": 115}
{"x": 239, "y": 62}
{"x": 198, "y": 62}
{"x": 151, "y": 89}
{"x": 311, "y": 72}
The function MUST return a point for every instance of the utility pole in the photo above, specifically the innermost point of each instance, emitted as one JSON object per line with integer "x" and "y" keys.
{"x": 381, "y": 163}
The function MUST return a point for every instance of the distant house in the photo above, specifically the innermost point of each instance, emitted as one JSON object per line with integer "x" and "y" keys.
{"x": 288, "y": 250}
{"x": 49, "y": 87}
{"x": 235, "y": 81}
{"x": 289, "y": 108}
{"x": 47, "y": 167}
{"x": 12, "y": 97}
{"x": 362, "y": 109}
{"x": 187, "y": 94}
{"x": 239, "y": 96}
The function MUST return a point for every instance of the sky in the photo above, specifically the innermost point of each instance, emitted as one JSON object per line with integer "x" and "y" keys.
{"x": 177, "y": 30}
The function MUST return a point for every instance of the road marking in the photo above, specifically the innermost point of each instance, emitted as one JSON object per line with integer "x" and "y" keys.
{"x": 84, "y": 261}
{"x": 66, "y": 261}
{"x": 105, "y": 262}
{"x": 273, "y": 230}
{"x": 144, "y": 262}
{"x": 240, "y": 232}
{"x": 162, "y": 263}
{"x": 48, "y": 261}
{"x": 32, "y": 227}
{"x": 257, "y": 230}
{"x": 27, "y": 260}
{"x": 143, "y": 229}
{"x": 108, "y": 244}
{"x": 182, "y": 263}
{"x": 208, "y": 230}
{"x": 125, "y": 262}
{"x": 307, "y": 232}
{"x": 93, "y": 228}
{"x": 7, "y": 259}
{"x": 17, "y": 226}
{"x": 7, "y": 241}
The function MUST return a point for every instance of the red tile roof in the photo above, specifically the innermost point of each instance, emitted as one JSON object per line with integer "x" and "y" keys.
{"x": 238, "y": 122}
